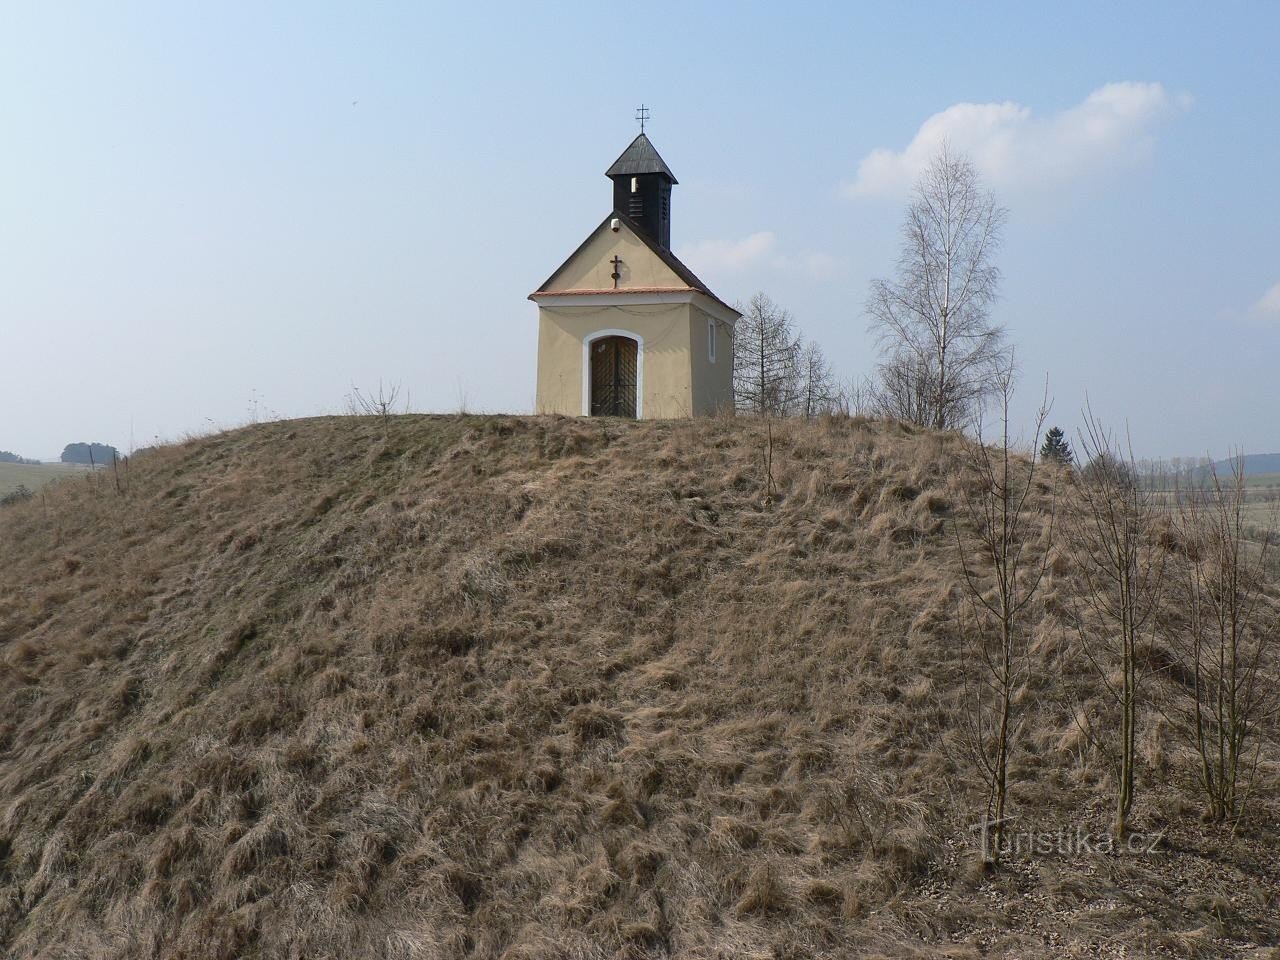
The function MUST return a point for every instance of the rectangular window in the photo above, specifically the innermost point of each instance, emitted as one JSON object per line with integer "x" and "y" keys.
{"x": 635, "y": 184}
{"x": 711, "y": 340}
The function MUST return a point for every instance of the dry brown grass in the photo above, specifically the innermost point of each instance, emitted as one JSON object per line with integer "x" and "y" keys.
{"x": 532, "y": 687}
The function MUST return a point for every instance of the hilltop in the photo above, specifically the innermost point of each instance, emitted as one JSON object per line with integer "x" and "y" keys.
{"x": 537, "y": 687}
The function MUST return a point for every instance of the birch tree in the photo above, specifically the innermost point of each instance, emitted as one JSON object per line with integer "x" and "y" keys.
{"x": 940, "y": 350}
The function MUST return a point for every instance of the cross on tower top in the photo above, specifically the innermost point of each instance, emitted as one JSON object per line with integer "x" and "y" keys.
{"x": 642, "y": 114}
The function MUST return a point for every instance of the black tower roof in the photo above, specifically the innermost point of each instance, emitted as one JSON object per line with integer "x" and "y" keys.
{"x": 640, "y": 158}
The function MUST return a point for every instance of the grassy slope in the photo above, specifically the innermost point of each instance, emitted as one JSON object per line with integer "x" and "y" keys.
{"x": 33, "y": 476}
{"x": 481, "y": 687}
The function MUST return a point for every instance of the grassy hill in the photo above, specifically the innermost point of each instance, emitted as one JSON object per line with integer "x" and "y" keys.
{"x": 532, "y": 688}
{"x": 33, "y": 476}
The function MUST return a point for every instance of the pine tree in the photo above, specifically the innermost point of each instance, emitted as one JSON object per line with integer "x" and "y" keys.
{"x": 1056, "y": 448}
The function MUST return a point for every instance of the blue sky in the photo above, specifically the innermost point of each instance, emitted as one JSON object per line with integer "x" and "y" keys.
{"x": 210, "y": 209}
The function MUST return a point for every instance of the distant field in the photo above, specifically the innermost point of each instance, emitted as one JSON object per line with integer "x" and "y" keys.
{"x": 1262, "y": 499}
{"x": 1264, "y": 481}
{"x": 33, "y": 475}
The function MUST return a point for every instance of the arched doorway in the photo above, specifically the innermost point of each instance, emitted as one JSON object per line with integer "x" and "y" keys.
{"x": 615, "y": 376}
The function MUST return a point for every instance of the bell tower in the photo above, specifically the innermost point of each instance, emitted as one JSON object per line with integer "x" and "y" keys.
{"x": 642, "y": 184}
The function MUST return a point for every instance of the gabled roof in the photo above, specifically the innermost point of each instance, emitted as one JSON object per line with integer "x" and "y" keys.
{"x": 666, "y": 256}
{"x": 640, "y": 157}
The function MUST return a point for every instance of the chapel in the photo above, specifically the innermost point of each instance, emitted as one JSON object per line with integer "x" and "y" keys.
{"x": 624, "y": 328}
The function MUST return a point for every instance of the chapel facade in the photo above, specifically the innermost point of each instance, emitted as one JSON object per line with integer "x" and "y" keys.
{"x": 624, "y": 328}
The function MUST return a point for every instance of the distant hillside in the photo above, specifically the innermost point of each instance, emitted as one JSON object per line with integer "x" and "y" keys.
{"x": 483, "y": 687}
{"x": 1254, "y": 464}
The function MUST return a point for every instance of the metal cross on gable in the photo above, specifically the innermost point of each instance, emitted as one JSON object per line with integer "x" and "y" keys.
{"x": 617, "y": 269}
{"x": 642, "y": 114}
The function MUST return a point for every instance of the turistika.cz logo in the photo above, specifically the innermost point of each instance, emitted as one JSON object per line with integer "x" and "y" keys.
{"x": 1064, "y": 842}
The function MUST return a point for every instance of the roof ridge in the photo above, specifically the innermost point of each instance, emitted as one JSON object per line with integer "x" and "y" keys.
{"x": 641, "y": 156}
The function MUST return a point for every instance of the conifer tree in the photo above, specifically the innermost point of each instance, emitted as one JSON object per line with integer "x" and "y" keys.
{"x": 1057, "y": 448}
{"x": 766, "y": 353}
{"x": 816, "y": 389}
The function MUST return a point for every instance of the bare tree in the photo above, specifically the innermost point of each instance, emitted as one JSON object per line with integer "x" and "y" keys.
{"x": 765, "y": 351}
{"x": 384, "y": 404}
{"x": 816, "y": 391}
{"x": 903, "y": 389}
{"x": 854, "y": 398}
{"x": 940, "y": 348}
{"x": 1113, "y": 545}
{"x": 1003, "y": 569}
{"x": 1220, "y": 633}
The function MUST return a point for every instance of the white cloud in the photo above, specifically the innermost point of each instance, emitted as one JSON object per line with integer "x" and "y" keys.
{"x": 756, "y": 250}
{"x": 1015, "y": 150}
{"x": 1268, "y": 307}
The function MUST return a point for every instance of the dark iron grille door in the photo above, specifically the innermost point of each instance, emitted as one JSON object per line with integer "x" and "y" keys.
{"x": 624, "y": 389}
{"x": 603, "y": 362}
{"x": 613, "y": 377}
